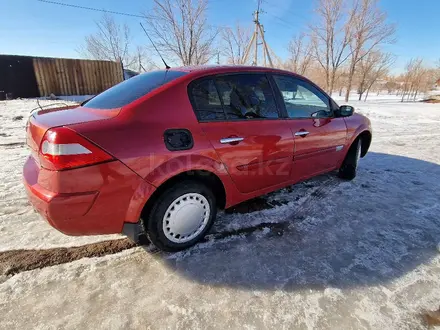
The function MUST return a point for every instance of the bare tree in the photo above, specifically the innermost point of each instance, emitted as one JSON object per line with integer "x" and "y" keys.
{"x": 424, "y": 80}
{"x": 370, "y": 29}
{"x": 365, "y": 72}
{"x": 111, "y": 42}
{"x": 438, "y": 72}
{"x": 341, "y": 81}
{"x": 372, "y": 67}
{"x": 301, "y": 54}
{"x": 143, "y": 61}
{"x": 180, "y": 29}
{"x": 234, "y": 43}
{"x": 331, "y": 37}
{"x": 417, "y": 78}
{"x": 413, "y": 70}
{"x": 392, "y": 85}
{"x": 419, "y": 82}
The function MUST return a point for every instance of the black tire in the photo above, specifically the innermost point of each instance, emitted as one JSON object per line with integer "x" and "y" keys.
{"x": 349, "y": 165}
{"x": 153, "y": 225}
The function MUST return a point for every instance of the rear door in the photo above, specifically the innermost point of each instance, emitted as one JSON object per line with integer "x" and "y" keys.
{"x": 319, "y": 136}
{"x": 239, "y": 115}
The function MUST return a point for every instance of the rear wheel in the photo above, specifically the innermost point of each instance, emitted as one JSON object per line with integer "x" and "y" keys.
{"x": 181, "y": 216}
{"x": 349, "y": 166}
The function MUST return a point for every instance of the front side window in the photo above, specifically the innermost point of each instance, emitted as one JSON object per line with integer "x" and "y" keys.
{"x": 302, "y": 100}
{"x": 247, "y": 96}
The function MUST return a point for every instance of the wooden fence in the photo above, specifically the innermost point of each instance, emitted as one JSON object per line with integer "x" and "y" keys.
{"x": 75, "y": 77}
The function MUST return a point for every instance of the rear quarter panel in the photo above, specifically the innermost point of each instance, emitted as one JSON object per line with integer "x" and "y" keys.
{"x": 136, "y": 138}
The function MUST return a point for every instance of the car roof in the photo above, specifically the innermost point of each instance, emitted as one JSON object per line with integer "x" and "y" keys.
{"x": 218, "y": 69}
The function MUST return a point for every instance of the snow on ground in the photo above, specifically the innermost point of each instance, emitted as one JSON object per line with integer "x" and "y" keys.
{"x": 70, "y": 98}
{"x": 351, "y": 255}
{"x": 20, "y": 226}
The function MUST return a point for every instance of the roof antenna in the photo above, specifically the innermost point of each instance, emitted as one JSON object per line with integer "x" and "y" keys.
{"x": 166, "y": 65}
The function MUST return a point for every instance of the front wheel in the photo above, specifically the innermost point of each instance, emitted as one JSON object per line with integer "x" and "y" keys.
{"x": 181, "y": 216}
{"x": 349, "y": 166}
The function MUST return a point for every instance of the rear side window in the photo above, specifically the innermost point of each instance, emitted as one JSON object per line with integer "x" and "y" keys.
{"x": 247, "y": 96}
{"x": 206, "y": 101}
{"x": 132, "y": 89}
{"x": 233, "y": 97}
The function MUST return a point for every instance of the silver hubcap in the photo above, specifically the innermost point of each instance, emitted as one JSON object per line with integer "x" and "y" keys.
{"x": 186, "y": 218}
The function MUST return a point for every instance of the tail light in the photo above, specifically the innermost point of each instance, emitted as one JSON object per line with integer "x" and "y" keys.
{"x": 62, "y": 148}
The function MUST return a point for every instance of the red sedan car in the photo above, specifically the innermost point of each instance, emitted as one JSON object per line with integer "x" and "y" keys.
{"x": 161, "y": 152}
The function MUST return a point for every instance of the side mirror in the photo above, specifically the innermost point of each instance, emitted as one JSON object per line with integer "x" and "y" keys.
{"x": 320, "y": 114}
{"x": 345, "y": 111}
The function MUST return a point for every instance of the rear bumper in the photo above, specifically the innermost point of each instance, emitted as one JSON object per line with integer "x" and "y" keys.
{"x": 108, "y": 196}
{"x": 64, "y": 212}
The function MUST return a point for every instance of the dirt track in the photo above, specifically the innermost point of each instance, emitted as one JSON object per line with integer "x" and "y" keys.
{"x": 13, "y": 262}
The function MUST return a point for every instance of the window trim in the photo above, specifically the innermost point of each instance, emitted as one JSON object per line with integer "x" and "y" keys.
{"x": 193, "y": 102}
{"x": 306, "y": 81}
{"x": 214, "y": 78}
{"x": 220, "y": 98}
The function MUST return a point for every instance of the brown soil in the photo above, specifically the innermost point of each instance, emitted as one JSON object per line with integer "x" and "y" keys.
{"x": 432, "y": 318}
{"x": 13, "y": 262}
{"x": 431, "y": 101}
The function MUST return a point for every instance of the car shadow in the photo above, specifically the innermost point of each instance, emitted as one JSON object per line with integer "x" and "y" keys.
{"x": 368, "y": 231}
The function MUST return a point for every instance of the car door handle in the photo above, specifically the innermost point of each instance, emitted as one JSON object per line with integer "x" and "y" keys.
{"x": 231, "y": 140}
{"x": 302, "y": 133}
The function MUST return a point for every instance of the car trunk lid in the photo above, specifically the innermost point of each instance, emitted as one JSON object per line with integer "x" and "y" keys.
{"x": 40, "y": 121}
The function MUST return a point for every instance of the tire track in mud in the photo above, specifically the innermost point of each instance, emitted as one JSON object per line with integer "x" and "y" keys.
{"x": 301, "y": 211}
{"x": 316, "y": 195}
{"x": 17, "y": 261}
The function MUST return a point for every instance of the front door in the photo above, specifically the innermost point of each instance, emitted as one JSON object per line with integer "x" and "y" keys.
{"x": 319, "y": 137}
{"x": 239, "y": 116}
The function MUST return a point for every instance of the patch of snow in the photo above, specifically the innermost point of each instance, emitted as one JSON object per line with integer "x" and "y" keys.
{"x": 358, "y": 254}
{"x": 69, "y": 98}
{"x": 20, "y": 226}
{"x": 135, "y": 290}
{"x": 374, "y": 98}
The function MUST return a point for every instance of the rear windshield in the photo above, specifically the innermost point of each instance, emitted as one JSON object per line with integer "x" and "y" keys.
{"x": 132, "y": 89}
